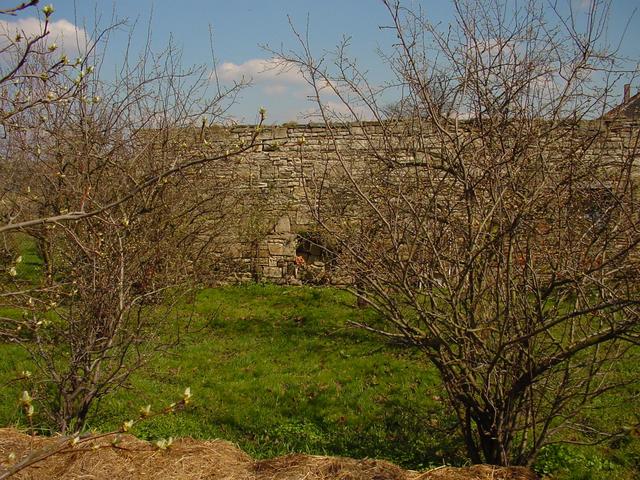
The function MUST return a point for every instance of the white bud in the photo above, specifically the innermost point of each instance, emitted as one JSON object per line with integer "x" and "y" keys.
{"x": 126, "y": 426}
{"x": 25, "y": 398}
{"x": 163, "y": 444}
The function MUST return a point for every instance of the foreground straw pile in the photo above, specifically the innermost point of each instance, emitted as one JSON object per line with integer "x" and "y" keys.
{"x": 217, "y": 459}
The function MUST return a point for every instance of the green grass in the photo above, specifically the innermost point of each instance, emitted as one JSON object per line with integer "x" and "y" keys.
{"x": 29, "y": 270}
{"x": 277, "y": 370}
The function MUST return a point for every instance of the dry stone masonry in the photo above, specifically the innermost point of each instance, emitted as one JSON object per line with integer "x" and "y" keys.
{"x": 276, "y": 241}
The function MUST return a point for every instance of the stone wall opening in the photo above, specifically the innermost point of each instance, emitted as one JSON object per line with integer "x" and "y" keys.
{"x": 314, "y": 259}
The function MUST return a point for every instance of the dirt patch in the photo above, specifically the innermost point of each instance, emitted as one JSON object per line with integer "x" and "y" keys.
{"x": 194, "y": 459}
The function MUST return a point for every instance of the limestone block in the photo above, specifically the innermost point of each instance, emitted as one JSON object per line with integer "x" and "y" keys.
{"x": 280, "y": 132}
{"x": 272, "y": 272}
{"x": 242, "y": 277}
{"x": 288, "y": 238}
{"x": 303, "y": 218}
{"x": 298, "y": 193}
{"x": 268, "y": 171}
{"x": 265, "y": 135}
{"x": 283, "y": 225}
{"x": 277, "y": 249}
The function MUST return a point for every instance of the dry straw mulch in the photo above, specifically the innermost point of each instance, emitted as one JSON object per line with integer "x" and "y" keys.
{"x": 193, "y": 459}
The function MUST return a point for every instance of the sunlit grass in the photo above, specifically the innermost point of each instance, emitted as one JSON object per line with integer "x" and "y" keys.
{"x": 279, "y": 370}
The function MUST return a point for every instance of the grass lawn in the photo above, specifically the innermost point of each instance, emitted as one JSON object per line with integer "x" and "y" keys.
{"x": 276, "y": 370}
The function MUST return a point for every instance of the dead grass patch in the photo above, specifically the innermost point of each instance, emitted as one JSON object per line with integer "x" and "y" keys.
{"x": 217, "y": 460}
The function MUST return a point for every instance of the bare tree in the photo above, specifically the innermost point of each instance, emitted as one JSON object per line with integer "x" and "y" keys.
{"x": 127, "y": 191}
{"x": 501, "y": 237}
{"x": 29, "y": 63}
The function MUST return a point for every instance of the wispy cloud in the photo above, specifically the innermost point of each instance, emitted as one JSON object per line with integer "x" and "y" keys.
{"x": 68, "y": 36}
{"x": 286, "y": 89}
{"x": 270, "y": 74}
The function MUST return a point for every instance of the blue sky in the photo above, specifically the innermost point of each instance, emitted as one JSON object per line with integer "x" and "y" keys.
{"x": 241, "y": 26}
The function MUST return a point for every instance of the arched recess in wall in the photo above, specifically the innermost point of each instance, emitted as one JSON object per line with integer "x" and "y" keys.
{"x": 315, "y": 257}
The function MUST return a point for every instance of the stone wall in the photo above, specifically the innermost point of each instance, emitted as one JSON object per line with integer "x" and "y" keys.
{"x": 271, "y": 244}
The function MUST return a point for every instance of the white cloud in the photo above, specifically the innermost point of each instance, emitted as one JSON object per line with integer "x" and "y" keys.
{"x": 261, "y": 70}
{"x": 62, "y": 32}
{"x": 273, "y": 77}
{"x": 495, "y": 54}
{"x": 283, "y": 89}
